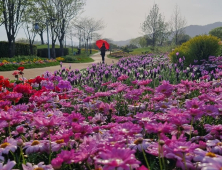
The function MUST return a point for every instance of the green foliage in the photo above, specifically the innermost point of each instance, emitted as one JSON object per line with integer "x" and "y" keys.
{"x": 197, "y": 48}
{"x": 46, "y": 46}
{"x": 20, "y": 49}
{"x": 126, "y": 49}
{"x": 141, "y": 51}
{"x": 43, "y": 52}
{"x": 217, "y": 32}
{"x": 77, "y": 59}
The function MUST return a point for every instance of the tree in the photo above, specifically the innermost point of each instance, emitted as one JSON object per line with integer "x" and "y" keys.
{"x": 88, "y": 27}
{"x": 178, "y": 24}
{"x": 63, "y": 11}
{"x": 29, "y": 20}
{"x": 217, "y": 32}
{"x": 153, "y": 24}
{"x": 12, "y": 12}
{"x": 164, "y": 31}
{"x": 135, "y": 41}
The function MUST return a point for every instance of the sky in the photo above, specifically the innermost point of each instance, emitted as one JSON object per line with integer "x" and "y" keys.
{"x": 123, "y": 18}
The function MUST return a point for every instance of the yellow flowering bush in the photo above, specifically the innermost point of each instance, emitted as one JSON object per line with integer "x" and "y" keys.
{"x": 60, "y": 59}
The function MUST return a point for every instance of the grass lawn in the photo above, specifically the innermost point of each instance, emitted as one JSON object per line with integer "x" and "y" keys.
{"x": 109, "y": 56}
{"x": 46, "y": 46}
{"x": 80, "y": 58}
{"x": 140, "y": 50}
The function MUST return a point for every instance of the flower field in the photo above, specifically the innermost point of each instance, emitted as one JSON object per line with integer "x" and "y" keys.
{"x": 142, "y": 113}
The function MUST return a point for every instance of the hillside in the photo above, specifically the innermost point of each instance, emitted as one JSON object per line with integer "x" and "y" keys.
{"x": 191, "y": 30}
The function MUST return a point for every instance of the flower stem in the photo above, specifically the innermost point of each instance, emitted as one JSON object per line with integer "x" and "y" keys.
{"x": 88, "y": 165}
{"x": 9, "y": 129}
{"x": 147, "y": 163}
{"x": 184, "y": 161}
{"x": 22, "y": 155}
{"x": 50, "y": 148}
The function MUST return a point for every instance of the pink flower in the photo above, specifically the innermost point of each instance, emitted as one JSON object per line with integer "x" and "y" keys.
{"x": 144, "y": 82}
{"x": 46, "y": 122}
{"x": 158, "y": 127}
{"x": 127, "y": 128}
{"x": 9, "y": 145}
{"x": 35, "y": 146}
{"x": 120, "y": 158}
{"x": 122, "y": 77}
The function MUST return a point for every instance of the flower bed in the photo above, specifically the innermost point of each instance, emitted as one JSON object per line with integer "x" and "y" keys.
{"x": 120, "y": 54}
{"x": 122, "y": 121}
{"x": 6, "y": 65}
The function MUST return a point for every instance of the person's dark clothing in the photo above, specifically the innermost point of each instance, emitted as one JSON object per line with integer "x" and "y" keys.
{"x": 103, "y": 52}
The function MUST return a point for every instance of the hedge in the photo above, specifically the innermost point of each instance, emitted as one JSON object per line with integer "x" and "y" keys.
{"x": 20, "y": 49}
{"x": 43, "y": 52}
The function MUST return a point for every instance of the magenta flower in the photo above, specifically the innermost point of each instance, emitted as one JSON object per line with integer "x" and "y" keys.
{"x": 75, "y": 117}
{"x": 122, "y": 77}
{"x": 120, "y": 158}
{"x": 127, "y": 128}
{"x": 165, "y": 89}
{"x": 144, "y": 82}
{"x": 158, "y": 128}
{"x": 57, "y": 163}
{"x": 46, "y": 122}
{"x": 195, "y": 103}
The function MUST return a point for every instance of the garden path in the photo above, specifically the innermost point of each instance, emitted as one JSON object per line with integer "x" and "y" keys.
{"x": 31, "y": 73}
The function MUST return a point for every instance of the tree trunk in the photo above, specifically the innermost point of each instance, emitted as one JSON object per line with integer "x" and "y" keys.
{"x": 61, "y": 47}
{"x": 11, "y": 47}
{"x": 41, "y": 36}
{"x": 31, "y": 48}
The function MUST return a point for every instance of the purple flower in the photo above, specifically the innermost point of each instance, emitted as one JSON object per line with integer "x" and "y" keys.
{"x": 8, "y": 166}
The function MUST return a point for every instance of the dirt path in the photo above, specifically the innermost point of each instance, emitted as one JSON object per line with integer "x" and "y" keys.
{"x": 31, "y": 73}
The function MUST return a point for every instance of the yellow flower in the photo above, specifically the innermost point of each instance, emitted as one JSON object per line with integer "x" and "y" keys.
{"x": 60, "y": 59}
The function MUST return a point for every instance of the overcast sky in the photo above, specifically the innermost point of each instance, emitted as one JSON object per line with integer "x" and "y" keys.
{"x": 124, "y": 17}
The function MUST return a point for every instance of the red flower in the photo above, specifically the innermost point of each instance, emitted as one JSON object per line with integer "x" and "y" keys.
{"x": 1, "y": 77}
{"x": 15, "y": 73}
{"x": 21, "y": 68}
{"x": 38, "y": 79}
{"x": 23, "y": 88}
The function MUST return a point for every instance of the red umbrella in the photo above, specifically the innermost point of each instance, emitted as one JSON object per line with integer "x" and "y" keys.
{"x": 99, "y": 43}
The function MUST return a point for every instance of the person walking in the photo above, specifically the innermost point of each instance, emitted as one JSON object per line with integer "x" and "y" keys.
{"x": 103, "y": 52}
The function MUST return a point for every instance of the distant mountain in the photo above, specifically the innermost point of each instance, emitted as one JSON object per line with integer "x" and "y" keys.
{"x": 191, "y": 30}
{"x": 194, "y": 30}
{"x": 121, "y": 43}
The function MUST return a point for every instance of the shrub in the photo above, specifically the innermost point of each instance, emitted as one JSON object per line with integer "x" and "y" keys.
{"x": 43, "y": 52}
{"x": 20, "y": 49}
{"x": 198, "y": 48}
{"x": 69, "y": 59}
